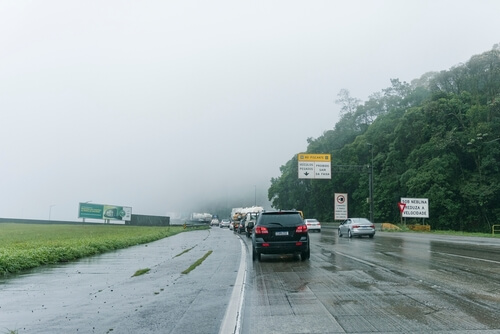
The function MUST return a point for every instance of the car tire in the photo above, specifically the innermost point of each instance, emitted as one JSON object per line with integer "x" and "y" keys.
{"x": 305, "y": 255}
{"x": 371, "y": 236}
{"x": 349, "y": 234}
{"x": 340, "y": 233}
{"x": 256, "y": 255}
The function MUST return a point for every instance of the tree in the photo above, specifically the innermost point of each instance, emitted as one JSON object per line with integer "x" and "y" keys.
{"x": 349, "y": 104}
{"x": 437, "y": 138}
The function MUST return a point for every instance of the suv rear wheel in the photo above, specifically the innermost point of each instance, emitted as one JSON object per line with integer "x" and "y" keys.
{"x": 305, "y": 255}
{"x": 255, "y": 255}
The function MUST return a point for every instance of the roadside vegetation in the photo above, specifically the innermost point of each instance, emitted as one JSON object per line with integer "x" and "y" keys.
{"x": 437, "y": 137}
{"x": 197, "y": 263}
{"x": 26, "y": 246}
{"x": 387, "y": 227}
{"x": 141, "y": 272}
{"x": 467, "y": 234}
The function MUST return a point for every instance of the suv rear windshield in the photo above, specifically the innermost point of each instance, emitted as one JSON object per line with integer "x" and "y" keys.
{"x": 280, "y": 218}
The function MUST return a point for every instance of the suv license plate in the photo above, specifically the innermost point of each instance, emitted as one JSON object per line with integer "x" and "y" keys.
{"x": 281, "y": 233}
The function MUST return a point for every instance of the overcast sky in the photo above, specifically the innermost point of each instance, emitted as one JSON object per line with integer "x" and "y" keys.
{"x": 164, "y": 106}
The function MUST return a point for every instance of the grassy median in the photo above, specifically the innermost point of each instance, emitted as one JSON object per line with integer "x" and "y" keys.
{"x": 26, "y": 246}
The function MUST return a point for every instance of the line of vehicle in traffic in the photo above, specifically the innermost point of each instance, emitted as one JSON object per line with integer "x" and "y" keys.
{"x": 351, "y": 227}
{"x": 287, "y": 232}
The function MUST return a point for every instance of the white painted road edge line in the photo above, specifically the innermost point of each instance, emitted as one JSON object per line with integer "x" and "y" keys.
{"x": 232, "y": 319}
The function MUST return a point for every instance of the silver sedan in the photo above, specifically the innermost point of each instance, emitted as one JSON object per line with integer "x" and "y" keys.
{"x": 356, "y": 227}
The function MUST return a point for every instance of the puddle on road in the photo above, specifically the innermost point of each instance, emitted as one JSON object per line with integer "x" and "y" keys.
{"x": 331, "y": 269}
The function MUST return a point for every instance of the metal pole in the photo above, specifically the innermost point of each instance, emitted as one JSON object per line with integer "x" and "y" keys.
{"x": 50, "y": 210}
{"x": 85, "y": 203}
{"x": 370, "y": 190}
{"x": 255, "y": 196}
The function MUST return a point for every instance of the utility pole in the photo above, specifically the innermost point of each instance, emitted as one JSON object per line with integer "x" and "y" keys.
{"x": 50, "y": 210}
{"x": 370, "y": 190}
{"x": 255, "y": 195}
{"x": 361, "y": 168}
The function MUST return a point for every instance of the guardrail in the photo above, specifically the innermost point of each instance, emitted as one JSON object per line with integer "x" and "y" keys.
{"x": 495, "y": 228}
{"x": 195, "y": 224}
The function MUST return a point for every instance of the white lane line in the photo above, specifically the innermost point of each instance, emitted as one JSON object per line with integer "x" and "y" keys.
{"x": 231, "y": 324}
{"x": 466, "y": 257}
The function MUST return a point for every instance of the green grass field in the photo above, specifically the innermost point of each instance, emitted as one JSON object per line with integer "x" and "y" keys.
{"x": 26, "y": 246}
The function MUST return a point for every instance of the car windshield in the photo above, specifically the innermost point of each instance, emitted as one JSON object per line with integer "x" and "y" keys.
{"x": 360, "y": 221}
{"x": 281, "y": 219}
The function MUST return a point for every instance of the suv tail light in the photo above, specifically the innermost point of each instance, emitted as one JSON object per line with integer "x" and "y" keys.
{"x": 301, "y": 229}
{"x": 261, "y": 230}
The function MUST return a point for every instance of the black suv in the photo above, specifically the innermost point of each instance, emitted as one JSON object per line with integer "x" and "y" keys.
{"x": 280, "y": 232}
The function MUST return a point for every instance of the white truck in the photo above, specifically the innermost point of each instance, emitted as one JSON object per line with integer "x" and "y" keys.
{"x": 200, "y": 218}
{"x": 244, "y": 218}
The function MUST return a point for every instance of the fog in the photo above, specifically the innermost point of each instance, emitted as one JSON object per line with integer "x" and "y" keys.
{"x": 170, "y": 106}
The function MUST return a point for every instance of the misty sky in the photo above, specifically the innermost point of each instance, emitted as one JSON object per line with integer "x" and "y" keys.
{"x": 165, "y": 106}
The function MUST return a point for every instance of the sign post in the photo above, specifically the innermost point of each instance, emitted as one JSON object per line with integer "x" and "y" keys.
{"x": 401, "y": 209}
{"x": 314, "y": 166}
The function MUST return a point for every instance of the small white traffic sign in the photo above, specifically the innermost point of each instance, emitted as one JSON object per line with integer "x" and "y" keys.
{"x": 340, "y": 206}
{"x": 306, "y": 170}
{"x": 322, "y": 170}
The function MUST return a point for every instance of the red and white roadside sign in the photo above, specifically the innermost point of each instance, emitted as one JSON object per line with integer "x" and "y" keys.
{"x": 415, "y": 207}
{"x": 340, "y": 204}
{"x": 401, "y": 207}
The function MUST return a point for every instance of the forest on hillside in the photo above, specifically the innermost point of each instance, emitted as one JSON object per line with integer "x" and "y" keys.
{"x": 437, "y": 137}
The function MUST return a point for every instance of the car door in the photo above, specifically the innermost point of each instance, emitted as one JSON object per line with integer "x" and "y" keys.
{"x": 342, "y": 227}
{"x": 345, "y": 226}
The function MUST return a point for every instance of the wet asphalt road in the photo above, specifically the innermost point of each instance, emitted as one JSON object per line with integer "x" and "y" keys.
{"x": 394, "y": 283}
{"x": 99, "y": 294}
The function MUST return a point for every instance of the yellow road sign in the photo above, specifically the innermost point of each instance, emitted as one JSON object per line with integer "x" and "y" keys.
{"x": 314, "y": 166}
{"x": 314, "y": 157}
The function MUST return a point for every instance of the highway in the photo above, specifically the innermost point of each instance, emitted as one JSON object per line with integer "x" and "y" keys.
{"x": 393, "y": 283}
